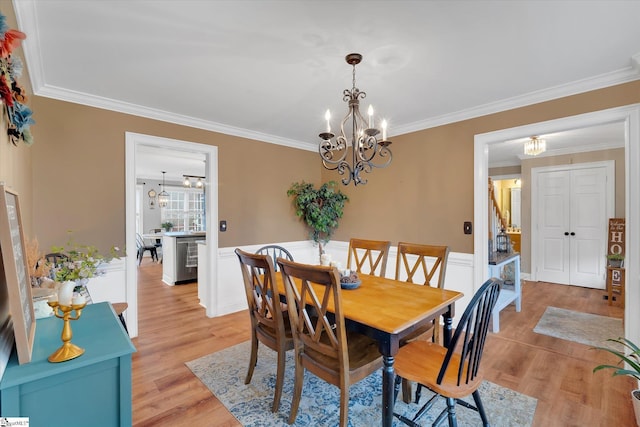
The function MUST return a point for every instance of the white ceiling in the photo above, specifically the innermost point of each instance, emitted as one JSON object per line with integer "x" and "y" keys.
{"x": 268, "y": 70}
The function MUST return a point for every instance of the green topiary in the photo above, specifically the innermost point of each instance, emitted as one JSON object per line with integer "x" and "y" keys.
{"x": 319, "y": 208}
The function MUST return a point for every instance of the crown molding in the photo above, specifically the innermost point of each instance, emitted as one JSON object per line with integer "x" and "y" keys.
{"x": 625, "y": 75}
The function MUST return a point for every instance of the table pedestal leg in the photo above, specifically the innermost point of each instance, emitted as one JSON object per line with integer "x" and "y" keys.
{"x": 388, "y": 375}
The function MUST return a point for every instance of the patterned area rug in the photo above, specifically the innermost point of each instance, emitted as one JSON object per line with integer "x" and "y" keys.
{"x": 224, "y": 372}
{"x": 584, "y": 328}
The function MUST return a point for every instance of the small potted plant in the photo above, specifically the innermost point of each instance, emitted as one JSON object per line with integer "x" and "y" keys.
{"x": 167, "y": 226}
{"x": 615, "y": 260}
{"x": 632, "y": 368}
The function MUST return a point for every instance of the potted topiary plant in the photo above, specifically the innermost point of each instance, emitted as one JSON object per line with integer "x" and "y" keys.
{"x": 167, "y": 226}
{"x": 632, "y": 368}
{"x": 615, "y": 260}
{"x": 320, "y": 209}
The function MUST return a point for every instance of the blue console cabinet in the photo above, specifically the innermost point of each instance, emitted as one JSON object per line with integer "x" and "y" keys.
{"x": 91, "y": 390}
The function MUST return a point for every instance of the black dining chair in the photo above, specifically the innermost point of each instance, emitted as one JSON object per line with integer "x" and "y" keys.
{"x": 452, "y": 372}
{"x": 274, "y": 252}
{"x": 143, "y": 247}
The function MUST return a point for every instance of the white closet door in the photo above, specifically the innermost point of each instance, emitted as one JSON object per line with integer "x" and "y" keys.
{"x": 573, "y": 207}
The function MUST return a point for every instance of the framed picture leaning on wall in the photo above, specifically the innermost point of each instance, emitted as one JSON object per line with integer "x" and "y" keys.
{"x": 14, "y": 260}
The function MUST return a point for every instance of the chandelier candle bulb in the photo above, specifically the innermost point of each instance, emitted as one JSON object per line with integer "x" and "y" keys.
{"x": 384, "y": 130}
{"x": 327, "y": 117}
{"x": 370, "y": 112}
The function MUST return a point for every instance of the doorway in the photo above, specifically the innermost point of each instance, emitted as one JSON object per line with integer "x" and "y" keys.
{"x": 132, "y": 142}
{"x": 629, "y": 116}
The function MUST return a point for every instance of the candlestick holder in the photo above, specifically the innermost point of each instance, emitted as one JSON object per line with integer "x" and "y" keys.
{"x": 68, "y": 350}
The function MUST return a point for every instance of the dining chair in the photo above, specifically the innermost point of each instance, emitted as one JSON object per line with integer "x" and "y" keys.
{"x": 425, "y": 265}
{"x": 375, "y": 252}
{"x": 452, "y": 372}
{"x": 275, "y": 252}
{"x": 143, "y": 247}
{"x": 323, "y": 346}
{"x": 269, "y": 325}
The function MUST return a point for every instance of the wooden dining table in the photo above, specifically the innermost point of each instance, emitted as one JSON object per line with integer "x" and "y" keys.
{"x": 388, "y": 310}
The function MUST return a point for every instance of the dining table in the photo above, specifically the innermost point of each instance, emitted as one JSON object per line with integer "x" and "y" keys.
{"x": 388, "y": 310}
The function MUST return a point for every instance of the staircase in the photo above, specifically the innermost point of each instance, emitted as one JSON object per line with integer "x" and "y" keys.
{"x": 496, "y": 220}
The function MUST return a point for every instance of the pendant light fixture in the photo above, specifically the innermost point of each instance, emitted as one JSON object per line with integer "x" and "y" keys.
{"x": 361, "y": 139}
{"x": 163, "y": 197}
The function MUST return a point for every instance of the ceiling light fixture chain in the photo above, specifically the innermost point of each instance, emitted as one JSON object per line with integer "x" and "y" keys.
{"x": 364, "y": 143}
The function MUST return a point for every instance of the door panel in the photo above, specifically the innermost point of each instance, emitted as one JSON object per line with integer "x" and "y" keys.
{"x": 588, "y": 222}
{"x": 554, "y": 216}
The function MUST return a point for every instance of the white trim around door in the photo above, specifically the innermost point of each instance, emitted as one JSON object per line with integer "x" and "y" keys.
{"x": 132, "y": 142}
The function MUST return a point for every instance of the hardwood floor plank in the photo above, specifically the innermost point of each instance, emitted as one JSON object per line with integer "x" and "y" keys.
{"x": 173, "y": 329}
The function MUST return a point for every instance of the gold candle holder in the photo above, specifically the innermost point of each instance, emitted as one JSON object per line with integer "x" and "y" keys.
{"x": 68, "y": 350}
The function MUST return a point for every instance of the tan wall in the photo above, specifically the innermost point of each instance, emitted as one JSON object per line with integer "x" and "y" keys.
{"x": 424, "y": 196}
{"x": 427, "y": 192}
{"x": 79, "y": 177}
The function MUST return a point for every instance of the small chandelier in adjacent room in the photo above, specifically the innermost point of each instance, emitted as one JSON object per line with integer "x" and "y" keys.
{"x": 534, "y": 146}
{"x": 362, "y": 138}
{"x": 163, "y": 197}
{"x": 187, "y": 181}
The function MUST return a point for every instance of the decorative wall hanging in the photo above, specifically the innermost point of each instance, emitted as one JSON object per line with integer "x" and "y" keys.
{"x": 13, "y": 96}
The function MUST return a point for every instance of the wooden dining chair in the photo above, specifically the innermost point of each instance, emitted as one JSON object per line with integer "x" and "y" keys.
{"x": 323, "y": 346}
{"x": 376, "y": 252}
{"x": 425, "y": 265}
{"x": 269, "y": 325}
{"x": 275, "y": 252}
{"x": 452, "y": 372}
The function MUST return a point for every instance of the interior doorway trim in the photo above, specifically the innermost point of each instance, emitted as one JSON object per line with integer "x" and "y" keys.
{"x": 630, "y": 116}
{"x": 132, "y": 142}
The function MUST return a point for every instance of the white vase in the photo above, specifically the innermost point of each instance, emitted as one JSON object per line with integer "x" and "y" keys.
{"x": 635, "y": 398}
{"x": 65, "y": 293}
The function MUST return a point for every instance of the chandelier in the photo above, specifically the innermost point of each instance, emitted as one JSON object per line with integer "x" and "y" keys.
{"x": 163, "y": 197}
{"x": 356, "y": 133}
{"x": 535, "y": 146}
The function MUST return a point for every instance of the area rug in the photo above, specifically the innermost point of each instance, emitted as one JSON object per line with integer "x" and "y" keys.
{"x": 584, "y": 328}
{"x": 224, "y": 373}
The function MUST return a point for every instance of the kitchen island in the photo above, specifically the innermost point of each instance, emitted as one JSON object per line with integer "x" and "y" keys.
{"x": 180, "y": 256}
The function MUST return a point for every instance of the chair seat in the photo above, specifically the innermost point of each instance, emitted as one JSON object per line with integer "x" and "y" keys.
{"x": 271, "y": 333}
{"x": 363, "y": 351}
{"x": 421, "y": 361}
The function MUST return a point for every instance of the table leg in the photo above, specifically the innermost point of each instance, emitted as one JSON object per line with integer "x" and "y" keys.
{"x": 388, "y": 375}
{"x": 448, "y": 326}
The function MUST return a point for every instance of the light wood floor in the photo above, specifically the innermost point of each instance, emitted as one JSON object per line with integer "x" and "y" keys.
{"x": 173, "y": 329}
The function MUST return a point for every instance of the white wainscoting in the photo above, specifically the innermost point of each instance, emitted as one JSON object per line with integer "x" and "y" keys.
{"x": 111, "y": 287}
{"x": 231, "y": 297}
